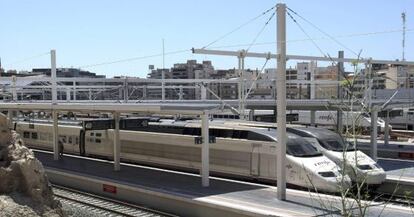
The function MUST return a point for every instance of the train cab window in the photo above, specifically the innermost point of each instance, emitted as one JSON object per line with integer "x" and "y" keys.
{"x": 239, "y": 134}
{"x": 98, "y": 134}
{"x": 301, "y": 148}
{"x": 26, "y": 135}
{"x": 258, "y": 137}
{"x": 34, "y": 135}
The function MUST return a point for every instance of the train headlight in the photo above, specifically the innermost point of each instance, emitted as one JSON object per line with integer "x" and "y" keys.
{"x": 327, "y": 174}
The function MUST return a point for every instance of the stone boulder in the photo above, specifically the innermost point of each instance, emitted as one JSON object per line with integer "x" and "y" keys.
{"x": 23, "y": 181}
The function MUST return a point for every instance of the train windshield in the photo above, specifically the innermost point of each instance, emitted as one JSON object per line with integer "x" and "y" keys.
{"x": 337, "y": 144}
{"x": 301, "y": 148}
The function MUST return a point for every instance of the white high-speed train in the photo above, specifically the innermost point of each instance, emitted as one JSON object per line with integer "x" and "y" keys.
{"x": 329, "y": 119}
{"x": 242, "y": 151}
{"x": 360, "y": 167}
{"x": 357, "y": 165}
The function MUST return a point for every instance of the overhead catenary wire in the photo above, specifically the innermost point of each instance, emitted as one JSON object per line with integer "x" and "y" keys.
{"x": 239, "y": 27}
{"x": 304, "y": 32}
{"x": 134, "y": 58}
{"x": 323, "y": 32}
{"x": 260, "y": 32}
{"x": 319, "y": 38}
{"x": 29, "y": 58}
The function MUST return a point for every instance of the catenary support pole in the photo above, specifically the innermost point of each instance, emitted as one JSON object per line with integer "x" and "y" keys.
{"x": 181, "y": 93}
{"x": 53, "y": 75}
{"x": 68, "y": 94}
{"x": 74, "y": 91}
{"x": 374, "y": 133}
{"x": 312, "y": 118}
{"x": 239, "y": 85}
{"x": 54, "y": 102}
{"x": 55, "y": 135}
{"x": 205, "y": 155}
{"x": 339, "y": 124}
{"x": 387, "y": 128}
{"x": 281, "y": 101}
{"x": 117, "y": 143}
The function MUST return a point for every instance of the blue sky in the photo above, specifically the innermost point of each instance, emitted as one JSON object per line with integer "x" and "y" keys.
{"x": 95, "y": 31}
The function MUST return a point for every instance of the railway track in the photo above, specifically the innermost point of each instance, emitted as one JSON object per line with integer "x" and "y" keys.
{"x": 102, "y": 206}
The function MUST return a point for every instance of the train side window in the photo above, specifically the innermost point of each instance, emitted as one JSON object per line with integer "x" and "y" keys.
{"x": 70, "y": 139}
{"x": 92, "y": 134}
{"x": 97, "y": 140}
{"x": 76, "y": 140}
{"x": 63, "y": 139}
{"x": 26, "y": 135}
{"x": 98, "y": 134}
{"x": 34, "y": 135}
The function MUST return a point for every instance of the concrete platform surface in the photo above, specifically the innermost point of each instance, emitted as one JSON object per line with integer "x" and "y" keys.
{"x": 256, "y": 199}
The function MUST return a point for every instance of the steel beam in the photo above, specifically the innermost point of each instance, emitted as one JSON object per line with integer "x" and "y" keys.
{"x": 374, "y": 133}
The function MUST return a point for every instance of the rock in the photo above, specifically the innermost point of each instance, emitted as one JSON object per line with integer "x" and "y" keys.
{"x": 24, "y": 185}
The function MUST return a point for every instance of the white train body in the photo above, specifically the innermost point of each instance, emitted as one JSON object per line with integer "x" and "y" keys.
{"x": 329, "y": 118}
{"x": 360, "y": 167}
{"x": 250, "y": 152}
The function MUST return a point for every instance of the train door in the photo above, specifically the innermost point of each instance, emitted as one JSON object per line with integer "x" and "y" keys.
{"x": 255, "y": 160}
{"x": 82, "y": 143}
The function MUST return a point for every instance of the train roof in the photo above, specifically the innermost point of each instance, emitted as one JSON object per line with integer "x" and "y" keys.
{"x": 314, "y": 132}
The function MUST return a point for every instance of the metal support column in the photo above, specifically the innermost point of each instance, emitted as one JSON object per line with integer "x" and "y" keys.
{"x": 339, "y": 124}
{"x": 242, "y": 82}
{"x": 10, "y": 118}
{"x": 203, "y": 93}
{"x": 281, "y": 101}
{"x": 312, "y": 118}
{"x": 74, "y": 91}
{"x": 374, "y": 133}
{"x": 162, "y": 85}
{"x": 239, "y": 88}
{"x": 387, "y": 129}
{"x": 117, "y": 143}
{"x": 180, "y": 97}
{"x": 68, "y": 94}
{"x": 126, "y": 90}
{"x": 55, "y": 135}
{"x": 205, "y": 155}
{"x": 144, "y": 92}
{"x": 53, "y": 75}
{"x": 14, "y": 90}
{"x": 251, "y": 115}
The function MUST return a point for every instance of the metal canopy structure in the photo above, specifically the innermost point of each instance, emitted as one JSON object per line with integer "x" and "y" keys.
{"x": 116, "y": 108}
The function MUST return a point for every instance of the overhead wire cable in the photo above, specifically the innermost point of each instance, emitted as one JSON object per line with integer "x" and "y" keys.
{"x": 323, "y": 32}
{"x": 239, "y": 27}
{"x": 134, "y": 58}
{"x": 315, "y": 39}
{"x": 29, "y": 58}
{"x": 307, "y": 35}
{"x": 260, "y": 32}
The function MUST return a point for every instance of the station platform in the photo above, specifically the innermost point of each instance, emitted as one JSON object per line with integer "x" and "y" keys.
{"x": 182, "y": 194}
{"x": 400, "y": 177}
